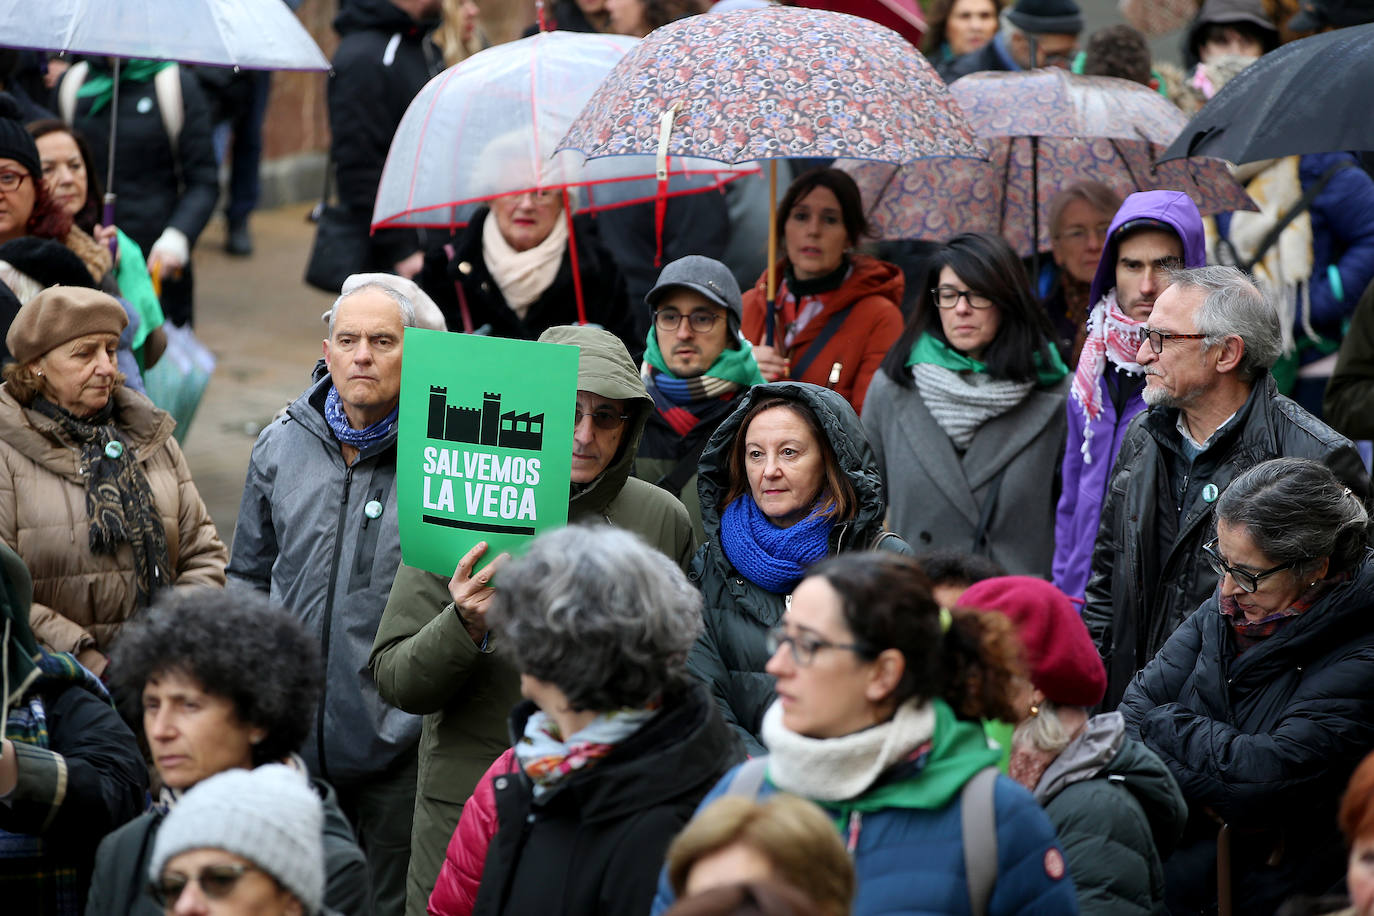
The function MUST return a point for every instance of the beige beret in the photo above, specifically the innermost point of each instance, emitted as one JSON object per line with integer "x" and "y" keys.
{"x": 59, "y": 314}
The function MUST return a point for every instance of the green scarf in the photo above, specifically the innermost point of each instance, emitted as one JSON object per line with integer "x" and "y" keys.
{"x": 100, "y": 84}
{"x": 732, "y": 365}
{"x": 930, "y": 350}
{"x": 958, "y": 751}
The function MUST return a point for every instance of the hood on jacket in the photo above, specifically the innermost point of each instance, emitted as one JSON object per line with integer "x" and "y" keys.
{"x": 1102, "y": 751}
{"x": 1173, "y": 208}
{"x": 604, "y": 368}
{"x": 1227, "y": 12}
{"x": 847, "y": 439}
{"x": 382, "y": 15}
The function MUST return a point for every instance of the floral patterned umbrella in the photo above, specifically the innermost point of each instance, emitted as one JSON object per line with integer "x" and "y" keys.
{"x": 770, "y": 84}
{"x": 1047, "y": 129}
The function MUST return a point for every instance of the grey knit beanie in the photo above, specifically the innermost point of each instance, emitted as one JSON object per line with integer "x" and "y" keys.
{"x": 269, "y": 816}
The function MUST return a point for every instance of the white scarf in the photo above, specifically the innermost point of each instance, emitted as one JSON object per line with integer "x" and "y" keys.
{"x": 961, "y": 402}
{"x": 522, "y": 276}
{"x": 838, "y": 769}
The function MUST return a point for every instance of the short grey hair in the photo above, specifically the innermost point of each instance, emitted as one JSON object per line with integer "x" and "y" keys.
{"x": 401, "y": 299}
{"x": 1295, "y": 510}
{"x": 1233, "y": 306}
{"x": 599, "y": 614}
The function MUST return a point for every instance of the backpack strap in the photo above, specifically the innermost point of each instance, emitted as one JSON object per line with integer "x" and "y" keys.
{"x": 686, "y": 466}
{"x": 883, "y": 537}
{"x": 831, "y": 328}
{"x": 978, "y": 818}
{"x": 68, "y": 88}
{"x": 749, "y": 779}
{"x": 167, "y": 88}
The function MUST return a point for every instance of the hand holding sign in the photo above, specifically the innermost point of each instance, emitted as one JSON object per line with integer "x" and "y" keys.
{"x": 471, "y": 593}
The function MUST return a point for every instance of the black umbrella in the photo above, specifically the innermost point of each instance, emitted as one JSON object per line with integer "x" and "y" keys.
{"x": 1309, "y": 96}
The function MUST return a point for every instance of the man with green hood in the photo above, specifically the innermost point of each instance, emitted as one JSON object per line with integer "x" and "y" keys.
{"x": 433, "y": 655}
{"x": 696, "y": 366}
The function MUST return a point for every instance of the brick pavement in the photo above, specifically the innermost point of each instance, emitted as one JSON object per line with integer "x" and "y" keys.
{"x": 263, "y": 324}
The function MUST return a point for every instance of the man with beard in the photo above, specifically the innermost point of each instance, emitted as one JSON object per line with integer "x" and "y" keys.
{"x": 1214, "y": 412}
{"x": 1152, "y": 233}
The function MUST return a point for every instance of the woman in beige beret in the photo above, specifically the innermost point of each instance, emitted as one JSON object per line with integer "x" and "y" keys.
{"x": 95, "y": 495}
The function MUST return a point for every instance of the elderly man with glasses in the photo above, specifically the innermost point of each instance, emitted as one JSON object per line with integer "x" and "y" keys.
{"x": 696, "y": 365}
{"x": 1213, "y": 412}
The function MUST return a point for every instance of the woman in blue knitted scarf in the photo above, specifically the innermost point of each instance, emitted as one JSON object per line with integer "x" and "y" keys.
{"x": 786, "y": 480}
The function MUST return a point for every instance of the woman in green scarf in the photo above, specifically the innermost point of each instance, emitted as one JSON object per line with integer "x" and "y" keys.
{"x": 966, "y": 415}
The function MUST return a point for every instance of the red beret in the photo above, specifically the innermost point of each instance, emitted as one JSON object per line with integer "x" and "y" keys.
{"x": 1063, "y": 662}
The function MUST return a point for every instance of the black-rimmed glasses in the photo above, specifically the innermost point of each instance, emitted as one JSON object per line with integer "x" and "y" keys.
{"x": 700, "y": 321}
{"x": 804, "y": 646}
{"x": 947, "y": 297}
{"x": 1245, "y": 580}
{"x": 1157, "y": 338}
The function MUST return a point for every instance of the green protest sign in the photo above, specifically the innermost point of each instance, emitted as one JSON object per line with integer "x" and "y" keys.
{"x": 484, "y": 449}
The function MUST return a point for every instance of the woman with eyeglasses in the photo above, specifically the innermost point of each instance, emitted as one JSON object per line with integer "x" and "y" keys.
{"x": 879, "y": 696}
{"x": 836, "y": 311}
{"x": 967, "y": 415}
{"x": 786, "y": 480}
{"x": 1261, "y": 703}
{"x": 222, "y": 681}
{"x": 242, "y": 843}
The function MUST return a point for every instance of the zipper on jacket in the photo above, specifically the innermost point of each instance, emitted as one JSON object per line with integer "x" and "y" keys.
{"x": 328, "y": 621}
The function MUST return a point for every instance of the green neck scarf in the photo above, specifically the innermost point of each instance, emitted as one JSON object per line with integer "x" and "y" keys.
{"x": 738, "y": 366}
{"x": 100, "y": 84}
{"x": 935, "y": 352}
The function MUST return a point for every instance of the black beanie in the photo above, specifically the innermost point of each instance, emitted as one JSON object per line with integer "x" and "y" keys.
{"x": 1047, "y": 17}
{"x": 15, "y": 142}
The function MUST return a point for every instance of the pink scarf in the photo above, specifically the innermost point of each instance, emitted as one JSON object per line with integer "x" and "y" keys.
{"x": 1111, "y": 336}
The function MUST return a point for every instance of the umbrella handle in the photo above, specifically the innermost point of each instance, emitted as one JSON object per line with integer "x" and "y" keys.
{"x": 572, "y": 253}
{"x": 665, "y": 132}
{"x": 539, "y": 15}
{"x": 770, "y": 317}
{"x": 107, "y": 217}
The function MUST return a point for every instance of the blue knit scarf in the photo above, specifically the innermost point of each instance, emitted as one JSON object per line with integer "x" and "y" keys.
{"x": 772, "y": 558}
{"x": 358, "y": 438}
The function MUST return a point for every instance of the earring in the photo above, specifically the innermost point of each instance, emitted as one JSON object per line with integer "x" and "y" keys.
{"x": 38, "y": 372}
{"x": 1035, "y": 710}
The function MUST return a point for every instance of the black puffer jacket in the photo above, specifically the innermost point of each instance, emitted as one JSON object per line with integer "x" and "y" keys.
{"x": 596, "y": 843}
{"x": 730, "y": 653}
{"x": 603, "y": 290}
{"x": 1138, "y": 595}
{"x": 383, "y": 59}
{"x": 1266, "y": 740}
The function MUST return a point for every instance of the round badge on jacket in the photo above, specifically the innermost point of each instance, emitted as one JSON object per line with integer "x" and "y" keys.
{"x": 1210, "y": 493}
{"x": 114, "y": 449}
{"x": 373, "y": 509}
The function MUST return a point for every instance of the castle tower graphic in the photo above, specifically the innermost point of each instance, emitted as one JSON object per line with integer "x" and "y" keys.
{"x": 485, "y": 425}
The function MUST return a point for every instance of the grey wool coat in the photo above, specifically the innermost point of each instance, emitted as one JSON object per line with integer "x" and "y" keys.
{"x": 936, "y": 496}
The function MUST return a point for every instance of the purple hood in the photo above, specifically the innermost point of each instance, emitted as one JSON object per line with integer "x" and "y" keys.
{"x": 1173, "y": 208}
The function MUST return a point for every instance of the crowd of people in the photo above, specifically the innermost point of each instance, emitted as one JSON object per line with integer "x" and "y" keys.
{"x": 940, "y": 586}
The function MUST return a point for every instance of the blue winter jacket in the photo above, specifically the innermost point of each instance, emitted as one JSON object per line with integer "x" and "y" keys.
{"x": 1085, "y": 476}
{"x": 910, "y": 862}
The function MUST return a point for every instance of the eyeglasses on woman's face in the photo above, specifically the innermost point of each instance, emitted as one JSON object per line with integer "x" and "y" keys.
{"x": 947, "y": 297}
{"x": 1157, "y": 338}
{"x": 804, "y": 646}
{"x": 1245, "y": 580}
{"x": 215, "y": 881}
{"x": 11, "y": 180}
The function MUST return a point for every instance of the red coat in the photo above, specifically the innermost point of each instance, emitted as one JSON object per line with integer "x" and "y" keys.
{"x": 873, "y": 295}
{"x": 455, "y": 891}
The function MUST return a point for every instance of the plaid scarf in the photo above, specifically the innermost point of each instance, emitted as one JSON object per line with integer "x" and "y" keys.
{"x": 119, "y": 501}
{"x": 1111, "y": 336}
{"x": 47, "y": 874}
{"x": 685, "y": 402}
{"x": 1250, "y": 633}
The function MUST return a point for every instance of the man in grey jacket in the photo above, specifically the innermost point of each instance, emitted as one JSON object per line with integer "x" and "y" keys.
{"x": 317, "y": 530}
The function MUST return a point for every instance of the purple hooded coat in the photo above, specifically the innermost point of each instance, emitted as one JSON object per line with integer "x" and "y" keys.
{"x": 1085, "y": 482}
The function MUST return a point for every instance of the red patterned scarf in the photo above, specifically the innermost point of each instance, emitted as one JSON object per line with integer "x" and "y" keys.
{"x": 1111, "y": 336}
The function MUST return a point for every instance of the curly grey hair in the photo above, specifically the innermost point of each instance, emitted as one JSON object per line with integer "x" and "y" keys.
{"x": 599, "y": 614}
{"x": 1233, "y": 306}
{"x": 237, "y": 644}
{"x": 1295, "y": 509}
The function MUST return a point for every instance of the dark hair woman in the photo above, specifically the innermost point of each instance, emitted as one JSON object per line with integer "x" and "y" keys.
{"x": 73, "y": 181}
{"x": 879, "y": 692}
{"x": 786, "y": 480}
{"x": 220, "y": 680}
{"x": 958, "y": 27}
{"x": 837, "y": 312}
{"x": 967, "y": 416}
{"x": 1261, "y": 703}
{"x": 98, "y": 498}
